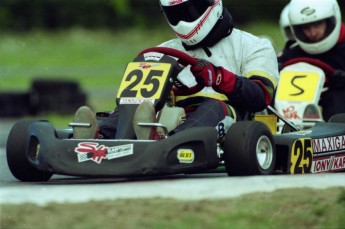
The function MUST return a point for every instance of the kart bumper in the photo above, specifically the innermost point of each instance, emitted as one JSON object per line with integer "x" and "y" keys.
{"x": 193, "y": 150}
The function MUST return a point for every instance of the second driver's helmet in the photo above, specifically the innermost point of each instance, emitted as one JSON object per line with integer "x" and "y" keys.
{"x": 192, "y": 20}
{"x": 304, "y": 12}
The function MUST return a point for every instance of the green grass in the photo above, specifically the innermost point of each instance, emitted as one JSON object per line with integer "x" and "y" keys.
{"x": 95, "y": 59}
{"x": 269, "y": 30}
{"x": 299, "y": 208}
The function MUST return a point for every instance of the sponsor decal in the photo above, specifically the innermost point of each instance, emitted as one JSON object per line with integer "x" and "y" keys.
{"x": 329, "y": 164}
{"x": 175, "y": 2}
{"x": 329, "y": 144}
{"x": 185, "y": 155}
{"x": 135, "y": 100}
{"x": 290, "y": 113}
{"x": 338, "y": 162}
{"x": 153, "y": 56}
{"x": 147, "y": 65}
{"x": 321, "y": 165}
{"x": 92, "y": 151}
{"x": 308, "y": 11}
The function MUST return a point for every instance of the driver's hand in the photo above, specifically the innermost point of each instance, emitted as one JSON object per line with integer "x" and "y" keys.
{"x": 206, "y": 74}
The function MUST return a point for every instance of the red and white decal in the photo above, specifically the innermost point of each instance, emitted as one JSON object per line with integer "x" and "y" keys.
{"x": 155, "y": 56}
{"x": 290, "y": 113}
{"x": 199, "y": 25}
{"x": 176, "y": 2}
{"x": 134, "y": 100}
{"x": 329, "y": 144}
{"x": 328, "y": 164}
{"x": 92, "y": 151}
{"x": 147, "y": 65}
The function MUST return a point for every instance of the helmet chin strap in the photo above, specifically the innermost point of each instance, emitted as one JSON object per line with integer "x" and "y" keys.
{"x": 223, "y": 28}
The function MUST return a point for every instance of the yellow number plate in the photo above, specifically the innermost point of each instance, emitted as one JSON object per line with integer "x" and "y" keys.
{"x": 298, "y": 86}
{"x": 301, "y": 156}
{"x": 144, "y": 80}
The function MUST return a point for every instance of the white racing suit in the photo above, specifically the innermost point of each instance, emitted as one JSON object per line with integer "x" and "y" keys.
{"x": 253, "y": 60}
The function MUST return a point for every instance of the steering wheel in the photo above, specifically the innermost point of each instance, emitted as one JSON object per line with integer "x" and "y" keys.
{"x": 184, "y": 59}
{"x": 329, "y": 70}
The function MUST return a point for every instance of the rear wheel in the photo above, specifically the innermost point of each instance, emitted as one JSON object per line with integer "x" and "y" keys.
{"x": 249, "y": 149}
{"x": 18, "y": 149}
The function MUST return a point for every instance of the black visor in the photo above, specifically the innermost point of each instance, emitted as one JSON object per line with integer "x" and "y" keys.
{"x": 288, "y": 32}
{"x": 188, "y": 11}
{"x": 298, "y": 29}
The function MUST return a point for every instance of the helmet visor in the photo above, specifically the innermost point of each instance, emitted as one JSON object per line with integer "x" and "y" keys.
{"x": 288, "y": 33}
{"x": 187, "y": 11}
{"x": 302, "y": 34}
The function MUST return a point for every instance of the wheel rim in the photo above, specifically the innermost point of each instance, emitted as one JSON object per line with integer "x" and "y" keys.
{"x": 34, "y": 148}
{"x": 264, "y": 152}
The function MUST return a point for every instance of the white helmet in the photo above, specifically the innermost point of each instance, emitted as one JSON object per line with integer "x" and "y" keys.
{"x": 192, "y": 20}
{"x": 303, "y": 12}
{"x": 284, "y": 23}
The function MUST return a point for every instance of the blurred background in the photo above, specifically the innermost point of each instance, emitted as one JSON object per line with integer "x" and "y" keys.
{"x": 59, "y": 54}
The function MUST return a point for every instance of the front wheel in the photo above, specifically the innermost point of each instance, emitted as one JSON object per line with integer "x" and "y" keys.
{"x": 17, "y": 150}
{"x": 249, "y": 149}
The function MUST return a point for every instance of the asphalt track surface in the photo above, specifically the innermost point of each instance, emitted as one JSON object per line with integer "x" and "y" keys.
{"x": 62, "y": 189}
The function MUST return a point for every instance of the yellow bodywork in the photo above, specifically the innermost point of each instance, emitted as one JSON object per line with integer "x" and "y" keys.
{"x": 269, "y": 120}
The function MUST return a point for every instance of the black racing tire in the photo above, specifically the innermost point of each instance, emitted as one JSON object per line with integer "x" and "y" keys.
{"x": 249, "y": 149}
{"x": 17, "y": 149}
{"x": 337, "y": 118}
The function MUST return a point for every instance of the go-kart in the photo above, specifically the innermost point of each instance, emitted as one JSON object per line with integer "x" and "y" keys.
{"x": 321, "y": 145}
{"x": 36, "y": 150}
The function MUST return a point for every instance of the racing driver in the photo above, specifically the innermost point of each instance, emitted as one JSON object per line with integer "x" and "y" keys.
{"x": 238, "y": 70}
{"x": 320, "y": 34}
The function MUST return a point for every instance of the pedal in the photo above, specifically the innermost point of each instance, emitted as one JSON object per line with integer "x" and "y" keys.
{"x": 157, "y": 125}
{"x": 79, "y": 124}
